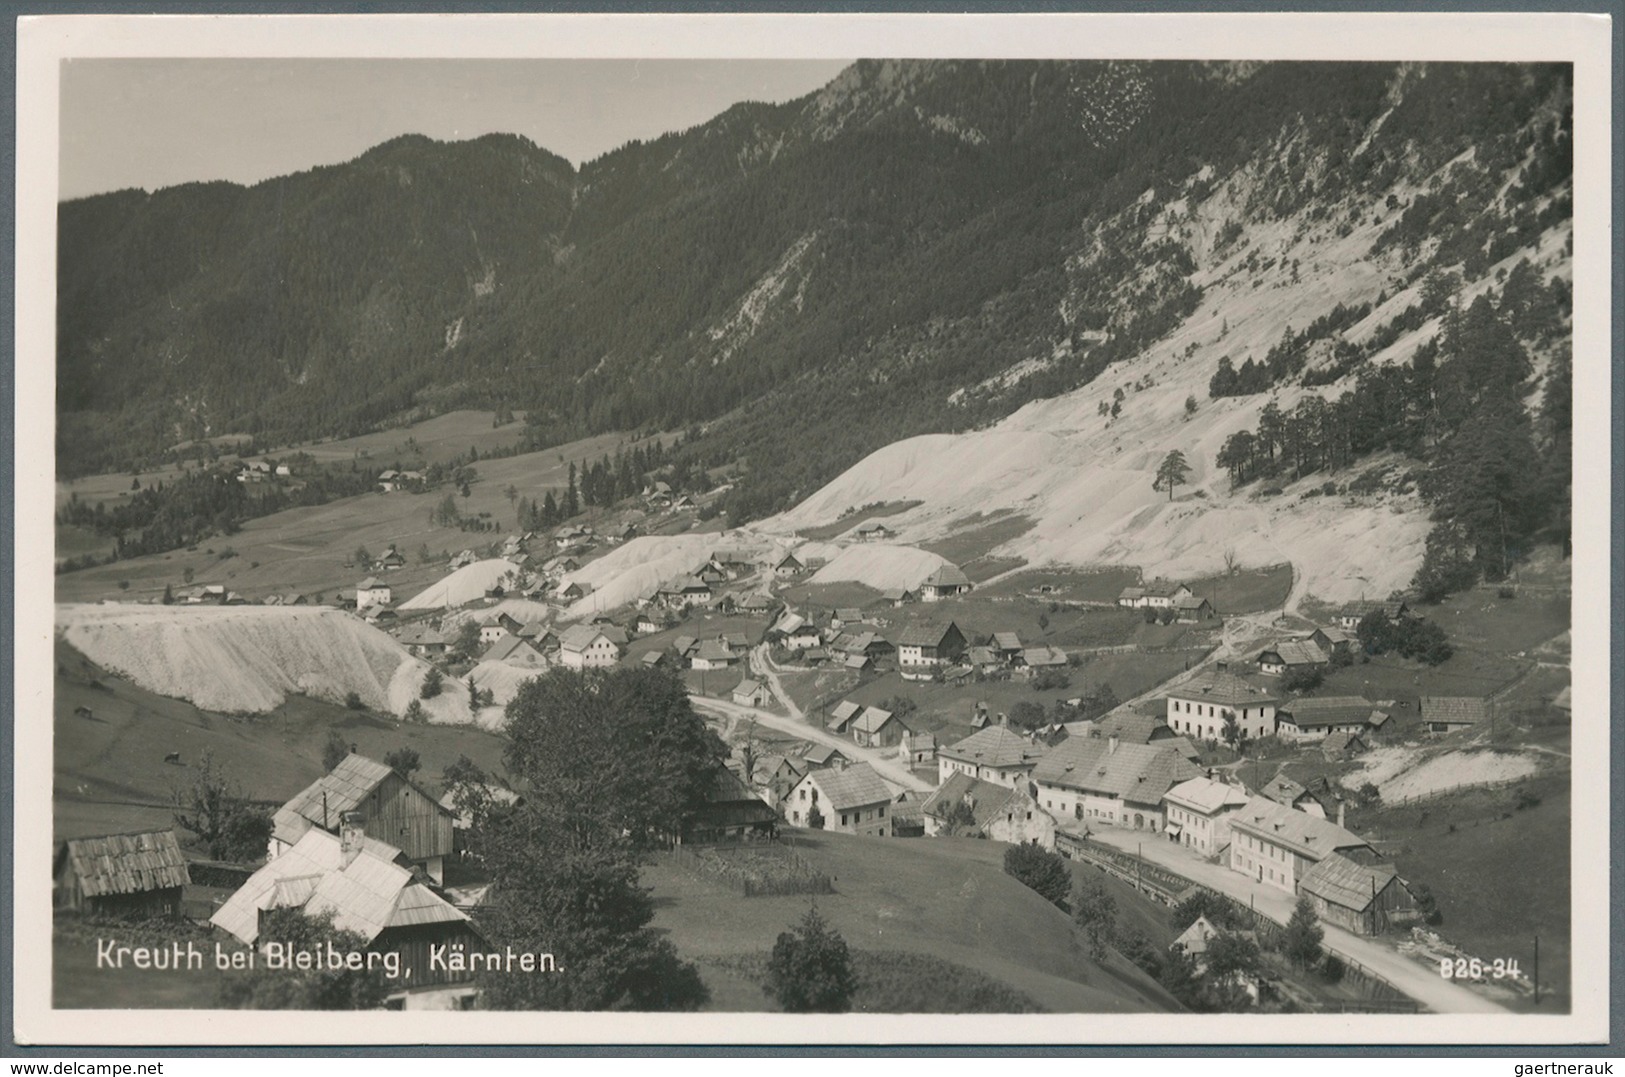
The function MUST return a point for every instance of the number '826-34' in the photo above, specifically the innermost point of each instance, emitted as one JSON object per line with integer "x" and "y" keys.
{"x": 1471, "y": 968}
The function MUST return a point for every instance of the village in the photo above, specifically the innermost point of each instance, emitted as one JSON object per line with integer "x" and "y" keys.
{"x": 913, "y": 712}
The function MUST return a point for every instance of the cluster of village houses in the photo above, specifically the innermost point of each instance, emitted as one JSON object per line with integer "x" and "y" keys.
{"x": 371, "y": 845}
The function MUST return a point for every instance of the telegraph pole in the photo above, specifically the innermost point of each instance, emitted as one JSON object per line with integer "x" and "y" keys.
{"x": 1537, "y": 970}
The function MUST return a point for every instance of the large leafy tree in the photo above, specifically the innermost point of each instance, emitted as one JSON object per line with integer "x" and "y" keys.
{"x": 810, "y": 970}
{"x": 619, "y": 749}
{"x": 1039, "y": 869}
{"x": 309, "y": 989}
{"x": 1095, "y": 911}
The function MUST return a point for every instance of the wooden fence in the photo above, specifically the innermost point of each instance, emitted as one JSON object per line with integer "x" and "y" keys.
{"x": 754, "y": 869}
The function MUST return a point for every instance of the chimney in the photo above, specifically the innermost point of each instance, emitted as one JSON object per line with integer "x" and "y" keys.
{"x": 1111, "y": 744}
{"x": 1004, "y": 720}
{"x": 351, "y": 836}
{"x": 1342, "y": 809}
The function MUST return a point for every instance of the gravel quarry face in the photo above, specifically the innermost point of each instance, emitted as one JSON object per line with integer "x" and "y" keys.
{"x": 248, "y": 659}
{"x": 1404, "y": 773}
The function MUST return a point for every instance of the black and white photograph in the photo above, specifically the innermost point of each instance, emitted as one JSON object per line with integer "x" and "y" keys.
{"x": 915, "y": 528}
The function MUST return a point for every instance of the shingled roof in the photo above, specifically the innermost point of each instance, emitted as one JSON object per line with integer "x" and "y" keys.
{"x": 987, "y": 799}
{"x": 126, "y": 863}
{"x": 1456, "y": 710}
{"x": 1206, "y": 796}
{"x": 1340, "y": 881}
{"x": 1321, "y": 711}
{"x": 925, "y": 635}
{"x": 324, "y": 801}
{"x": 1141, "y": 773}
{"x": 1307, "y": 835}
{"x": 995, "y": 746}
{"x": 1225, "y": 689}
{"x": 947, "y": 575}
{"x": 1295, "y": 652}
{"x": 854, "y": 787}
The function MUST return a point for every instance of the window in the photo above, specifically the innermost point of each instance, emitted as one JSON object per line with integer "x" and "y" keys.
{"x": 843, "y": 818}
{"x": 881, "y": 814}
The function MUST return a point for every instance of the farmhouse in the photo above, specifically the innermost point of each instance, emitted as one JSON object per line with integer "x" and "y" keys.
{"x": 1274, "y": 844}
{"x": 1334, "y": 641}
{"x": 1193, "y": 610}
{"x": 876, "y": 728}
{"x": 852, "y": 801}
{"x": 137, "y": 876}
{"x": 1000, "y": 812}
{"x": 923, "y": 649}
{"x": 1349, "y": 616}
{"x": 1446, "y": 714}
{"x": 841, "y": 716}
{"x": 371, "y": 592}
{"x": 420, "y": 639}
{"x": 1108, "y": 782}
{"x": 712, "y": 654}
{"x": 1198, "y": 812}
{"x": 995, "y": 754}
{"x": 822, "y": 755}
{"x": 1317, "y": 717}
{"x": 898, "y": 596}
{"x": 1158, "y": 594}
{"x": 758, "y": 604}
{"x": 1343, "y": 746}
{"x": 1200, "y": 707}
{"x": 1318, "y": 797}
{"x": 1043, "y": 658}
{"x": 874, "y": 532}
{"x": 787, "y": 566}
{"x": 514, "y": 651}
{"x": 1364, "y": 899}
{"x": 946, "y": 582}
{"x": 749, "y": 693}
{"x": 1290, "y": 655}
{"x": 985, "y": 659}
{"x": 1007, "y": 645}
{"x": 731, "y": 812}
{"x": 587, "y": 647}
{"x": 1197, "y": 939}
{"x": 382, "y": 802}
{"x": 802, "y": 637}
{"x": 496, "y": 626}
{"x": 369, "y": 887}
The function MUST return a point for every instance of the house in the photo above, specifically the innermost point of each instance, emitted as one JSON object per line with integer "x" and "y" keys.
{"x": 995, "y": 754}
{"x": 946, "y": 582}
{"x": 1319, "y": 797}
{"x": 493, "y": 628}
{"x": 540, "y": 636}
{"x": 842, "y": 715}
{"x": 1271, "y": 843}
{"x": 1158, "y": 594}
{"x": 390, "y": 560}
{"x": 853, "y": 801}
{"x": 1334, "y": 641}
{"x": 985, "y": 659}
{"x": 787, "y": 566}
{"x": 874, "y": 532}
{"x": 514, "y": 651}
{"x": 570, "y": 591}
{"x": 1343, "y": 746}
{"x": 420, "y": 639}
{"x": 1317, "y": 717}
{"x": 1106, "y": 782}
{"x": 653, "y": 660}
{"x": 1043, "y": 658}
{"x": 1289, "y": 656}
{"x": 1446, "y": 714}
{"x": 1195, "y": 942}
{"x": 758, "y": 604}
{"x": 845, "y": 615}
{"x": 712, "y": 654}
{"x": 917, "y": 749}
{"x": 731, "y": 812}
{"x": 803, "y": 637}
{"x": 684, "y": 646}
{"x": 1348, "y": 617}
{"x": 647, "y": 624}
{"x": 385, "y": 804}
{"x": 1007, "y": 645}
{"x": 371, "y": 592}
{"x": 924, "y": 648}
{"x": 587, "y": 647}
{"x": 1191, "y": 610}
{"x": 908, "y": 815}
{"x": 683, "y": 593}
{"x": 898, "y": 596}
{"x": 778, "y": 774}
{"x": 822, "y": 755}
{"x": 1197, "y": 813}
{"x": 1200, "y": 707}
{"x": 749, "y": 693}
{"x": 369, "y": 887}
{"x": 136, "y": 876}
{"x": 1000, "y": 812}
{"x": 735, "y": 562}
{"x": 876, "y": 728}
{"x": 1364, "y": 899}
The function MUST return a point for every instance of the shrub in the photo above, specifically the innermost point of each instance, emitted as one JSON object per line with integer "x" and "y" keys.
{"x": 1051, "y": 680}
{"x": 1332, "y": 970}
{"x": 811, "y": 969}
{"x": 334, "y": 751}
{"x": 432, "y": 682}
{"x": 352, "y": 701}
{"x": 1040, "y": 870}
{"x": 415, "y": 714}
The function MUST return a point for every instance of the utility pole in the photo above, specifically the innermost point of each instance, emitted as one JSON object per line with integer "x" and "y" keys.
{"x": 1139, "y": 851}
{"x": 1537, "y": 970}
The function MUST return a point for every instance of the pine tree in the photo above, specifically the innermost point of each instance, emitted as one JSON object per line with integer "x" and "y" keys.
{"x": 1303, "y": 935}
{"x": 811, "y": 969}
{"x": 1171, "y": 472}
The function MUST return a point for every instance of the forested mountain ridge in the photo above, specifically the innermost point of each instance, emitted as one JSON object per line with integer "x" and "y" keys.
{"x": 918, "y": 247}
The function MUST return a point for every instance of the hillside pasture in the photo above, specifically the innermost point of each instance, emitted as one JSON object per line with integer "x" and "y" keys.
{"x": 311, "y": 550}
{"x": 974, "y": 539}
{"x": 855, "y": 517}
{"x": 1246, "y": 590}
{"x": 947, "y": 899}
{"x": 1065, "y": 584}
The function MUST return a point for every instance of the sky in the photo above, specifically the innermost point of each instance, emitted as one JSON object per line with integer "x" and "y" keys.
{"x": 154, "y": 123}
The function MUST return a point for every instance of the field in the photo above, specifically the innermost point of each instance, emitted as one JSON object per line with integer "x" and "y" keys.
{"x": 976, "y": 537}
{"x": 1069, "y": 584}
{"x": 946, "y": 899}
{"x": 1246, "y": 591}
{"x": 889, "y": 981}
{"x": 311, "y": 550}
{"x": 109, "y": 773}
{"x": 1501, "y": 875}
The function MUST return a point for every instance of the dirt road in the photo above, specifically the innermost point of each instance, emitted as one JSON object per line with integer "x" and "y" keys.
{"x": 885, "y": 763}
{"x": 1421, "y": 982}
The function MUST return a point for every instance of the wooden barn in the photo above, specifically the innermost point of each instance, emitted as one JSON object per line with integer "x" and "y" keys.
{"x": 1365, "y": 899}
{"x": 392, "y": 808}
{"x": 732, "y": 812}
{"x": 130, "y": 875}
